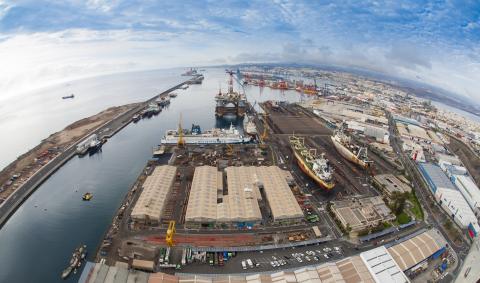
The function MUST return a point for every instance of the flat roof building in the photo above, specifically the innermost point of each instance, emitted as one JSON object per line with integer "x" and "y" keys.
{"x": 361, "y": 213}
{"x": 149, "y": 206}
{"x": 435, "y": 177}
{"x": 390, "y": 184}
{"x": 469, "y": 190}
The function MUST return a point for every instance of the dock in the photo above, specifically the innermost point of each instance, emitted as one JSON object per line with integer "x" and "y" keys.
{"x": 107, "y": 130}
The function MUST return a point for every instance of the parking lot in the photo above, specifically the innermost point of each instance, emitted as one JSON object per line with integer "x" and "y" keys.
{"x": 286, "y": 259}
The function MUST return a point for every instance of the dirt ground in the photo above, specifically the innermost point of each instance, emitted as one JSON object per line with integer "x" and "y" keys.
{"x": 30, "y": 162}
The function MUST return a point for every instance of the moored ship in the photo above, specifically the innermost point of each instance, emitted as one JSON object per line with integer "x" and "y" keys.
{"x": 196, "y": 136}
{"x": 315, "y": 166}
{"x": 350, "y": 151}
{"x": 249, "y": 127}
{"x": 76, "y": 261}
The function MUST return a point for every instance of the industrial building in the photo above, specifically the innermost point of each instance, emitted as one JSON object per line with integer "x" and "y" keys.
{"x": 449, "y": 197}
{"x": 382, "y": 266}
{"x": 469, "y": 190}
{"x": 378, "y": 133}
{"x": 415, "y": 251}
{"x": 359, "y": 214}
{"x": 390, "y": 184}
{"x": 149, "y": 206}
{"x": 239, "y": 203}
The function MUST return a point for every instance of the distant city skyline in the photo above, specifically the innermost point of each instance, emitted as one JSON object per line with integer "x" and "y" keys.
{"x": 44, "y": 42}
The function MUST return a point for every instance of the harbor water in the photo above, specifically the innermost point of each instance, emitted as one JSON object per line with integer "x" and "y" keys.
{"x": 37, "y": 241}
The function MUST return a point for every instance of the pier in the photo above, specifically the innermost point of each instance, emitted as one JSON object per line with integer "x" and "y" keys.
{"x": 107, "y": 130}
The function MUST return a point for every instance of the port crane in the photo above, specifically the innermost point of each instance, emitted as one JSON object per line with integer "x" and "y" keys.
{"x": 170, "y": 233}
{"x": 181, "y": 140}
{"x": 264, "y": 135}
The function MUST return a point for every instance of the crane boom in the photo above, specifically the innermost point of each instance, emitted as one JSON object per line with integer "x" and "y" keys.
{"x": 170, "y": 233}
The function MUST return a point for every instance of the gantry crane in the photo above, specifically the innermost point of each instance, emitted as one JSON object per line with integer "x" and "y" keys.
{"x": 170, "y": 233}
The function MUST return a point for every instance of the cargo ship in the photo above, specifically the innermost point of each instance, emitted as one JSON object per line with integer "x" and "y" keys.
{"x": 213, "y": 136}
{"x": 316, "y": 167}
{"x": 350, "y": 151}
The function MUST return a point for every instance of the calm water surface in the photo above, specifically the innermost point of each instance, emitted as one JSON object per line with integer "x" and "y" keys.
{"x": 37, "y": 241}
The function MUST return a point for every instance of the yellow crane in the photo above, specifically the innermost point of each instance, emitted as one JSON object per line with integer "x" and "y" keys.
{"x": 181, "y": 140}
{"x": 170, "y": 233}
{"x": 264, "y": 135}
{"x": 229, "y": 149}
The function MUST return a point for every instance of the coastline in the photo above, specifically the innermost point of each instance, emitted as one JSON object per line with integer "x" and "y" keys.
{"x": 114, "y": 119}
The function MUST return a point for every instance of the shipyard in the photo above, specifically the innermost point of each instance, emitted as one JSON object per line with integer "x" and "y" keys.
{"x": 280, "y": 186}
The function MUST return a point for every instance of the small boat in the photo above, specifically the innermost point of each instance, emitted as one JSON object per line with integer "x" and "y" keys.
{"x": 87, "y": 196}
{"x": 136, "y": 118}
{"x": 68, "y": 96}
{"x": 173, "y": 94}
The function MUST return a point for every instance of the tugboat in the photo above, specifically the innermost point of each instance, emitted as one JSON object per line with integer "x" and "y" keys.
{"x": 87, "y": 196}
{"x": 78, "y": 256}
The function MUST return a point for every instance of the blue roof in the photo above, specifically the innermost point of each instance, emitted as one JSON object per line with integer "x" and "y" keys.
{"x": 406, "y": 120}
{"x": 435, "y": 177}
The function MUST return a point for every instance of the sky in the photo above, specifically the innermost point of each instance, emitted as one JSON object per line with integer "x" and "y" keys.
{"x": 47, "y": 42}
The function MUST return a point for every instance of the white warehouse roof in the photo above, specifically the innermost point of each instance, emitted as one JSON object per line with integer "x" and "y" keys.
{"x": 469, "y": 190}
{"x": 455, "y": 204}
{"x": 382, "y": 266}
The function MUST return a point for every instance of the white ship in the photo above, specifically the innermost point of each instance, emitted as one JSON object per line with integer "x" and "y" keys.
{"x": 350, "y": 151}
{"x": 213, "y": 136}
{"x": 249, "y": 127}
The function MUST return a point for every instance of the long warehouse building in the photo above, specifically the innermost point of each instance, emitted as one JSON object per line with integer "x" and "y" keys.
{"x": 208, "y": 204}
{"x": 450, "y": 198}
{"x": 149, "y": 206}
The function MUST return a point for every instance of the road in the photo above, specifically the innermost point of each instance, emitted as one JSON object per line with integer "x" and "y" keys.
{"x": 434, "y": 215}
{"x": 10, "y": 205}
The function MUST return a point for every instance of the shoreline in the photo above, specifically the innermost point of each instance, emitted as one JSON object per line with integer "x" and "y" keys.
{"x": 55, "y": 156}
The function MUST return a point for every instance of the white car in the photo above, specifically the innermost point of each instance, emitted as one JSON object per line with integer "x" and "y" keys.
{"x": 244, "y": 265}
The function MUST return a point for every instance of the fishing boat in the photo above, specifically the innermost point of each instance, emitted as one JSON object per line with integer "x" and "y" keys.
{"x": 315, "y": 166}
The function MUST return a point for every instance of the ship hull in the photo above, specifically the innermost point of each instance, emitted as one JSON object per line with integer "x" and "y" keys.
{"x": 207, "y": 140}
{"x": 347, "y": 154}
{"x": 301, "y": 163}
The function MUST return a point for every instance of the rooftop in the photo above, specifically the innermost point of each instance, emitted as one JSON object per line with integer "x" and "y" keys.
{"x": 155, "y": 189}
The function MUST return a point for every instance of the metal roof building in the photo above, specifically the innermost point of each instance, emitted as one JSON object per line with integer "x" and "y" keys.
{"x": 417, "y": 249}
{"x": 150, "y": 204}
{"x": 382, "y": 266}
{"x": 208, "y": 203}
{"x": 202, "y": 201}
{"x": 469, "y": 190}
{"x": 435, "y": 177}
